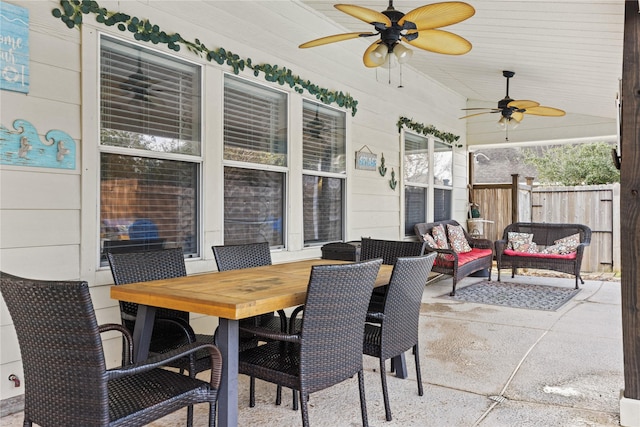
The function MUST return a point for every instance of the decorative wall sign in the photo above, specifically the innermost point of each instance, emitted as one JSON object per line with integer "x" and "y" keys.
{"x": 14, "y": 48}
{"x": 366, "y": 160}
{"x": 25, "y": 148}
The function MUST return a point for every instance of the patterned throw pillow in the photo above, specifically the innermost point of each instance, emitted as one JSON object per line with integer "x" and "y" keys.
{"x": 457, "y": 239}
{"x": 564, "y": 246}
{"x": 429, "y": 241}
{"x": 440, "y": 236}
{"x": 521, "y": 242}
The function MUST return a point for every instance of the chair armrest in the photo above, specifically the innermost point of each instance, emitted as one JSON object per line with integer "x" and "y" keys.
{"x": 294, "y": 315}
{"x": 481, "y": 243}
{"x": 445, "y": 252}
{"x": 162, "y": 359}
{"x": 501, "y": 245}
{"x": 107, "y": 327}
{"x": 270, "y": 334}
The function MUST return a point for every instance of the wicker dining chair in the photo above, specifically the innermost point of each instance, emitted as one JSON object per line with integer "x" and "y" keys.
{"x": 236, "y": 257}
{"x": 171, "y": 328}
{"x": 389, "y": 251}
{"x": 394, "y": 330}
{"x": 66, "y": 382}
{"x": 328, "y": 349}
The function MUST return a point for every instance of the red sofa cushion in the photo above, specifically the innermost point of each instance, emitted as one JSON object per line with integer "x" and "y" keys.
{"x": 511, "y": 252}
{"x": 463, "y": 257}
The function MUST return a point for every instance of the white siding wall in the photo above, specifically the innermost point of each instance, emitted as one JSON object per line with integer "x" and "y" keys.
{"x": 48, "y": 219}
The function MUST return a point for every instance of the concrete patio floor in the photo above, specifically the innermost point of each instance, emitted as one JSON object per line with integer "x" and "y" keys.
{"x": 482, "y": 365}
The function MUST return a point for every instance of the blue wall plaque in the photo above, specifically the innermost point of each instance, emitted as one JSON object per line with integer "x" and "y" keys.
{"x": 14, "y": 48}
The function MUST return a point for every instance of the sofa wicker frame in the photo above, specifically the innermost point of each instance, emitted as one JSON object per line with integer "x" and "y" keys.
{"x": 544, "y": 234}
{"x": 456, "y": 269}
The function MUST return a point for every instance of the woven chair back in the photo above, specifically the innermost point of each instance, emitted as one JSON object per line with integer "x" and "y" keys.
{"x": 402, "y": 304}
{"x": 143, "y": 267}
{"x": 333, "y": 323}
{"x": 235, "y": 257}
{"x": 62, "y": 353}
{"x": 389, "y": 250}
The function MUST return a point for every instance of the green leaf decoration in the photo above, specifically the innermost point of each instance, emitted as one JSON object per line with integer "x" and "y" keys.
{"x": 427, "y": 130}
{"x": 71, "y": 13}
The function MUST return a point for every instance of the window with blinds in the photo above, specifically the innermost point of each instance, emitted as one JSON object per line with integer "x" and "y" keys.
{"x": 442, "y": 164}
{"x": 416, "y": 159}
{"x": 324, "y": 165}
{"x": 253, "y": 206}
{"x": 148, "y": 101}
{"x": 416, "y": 178}
{"x": 419, "y": 178}
{"x": 255, "y": 123}
{"x": 415, "y": 207}
{"x": 149, "y": 130}
{"x": 255, "y": 156}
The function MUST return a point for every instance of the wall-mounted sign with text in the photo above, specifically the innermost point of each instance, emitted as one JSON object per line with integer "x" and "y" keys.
{"x": 14, "y": 48}
{"x": 366, "y": 160}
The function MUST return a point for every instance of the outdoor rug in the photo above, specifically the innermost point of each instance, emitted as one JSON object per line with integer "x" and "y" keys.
{"x": 519, "y": 295}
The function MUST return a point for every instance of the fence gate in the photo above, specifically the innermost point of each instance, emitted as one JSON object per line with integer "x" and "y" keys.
{"x": 594, "y": 206}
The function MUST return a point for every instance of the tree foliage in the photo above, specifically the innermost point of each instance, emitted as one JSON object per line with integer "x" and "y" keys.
{"x": 583, "y": 164}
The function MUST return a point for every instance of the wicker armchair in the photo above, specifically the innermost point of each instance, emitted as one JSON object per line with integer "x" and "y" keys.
{"x": 66, "y": 379}
{"x": 328, "y": 349}
{"x": 171, "y": 327}
{"x": 236, "y": 257}
{"x": 394, "y": 330}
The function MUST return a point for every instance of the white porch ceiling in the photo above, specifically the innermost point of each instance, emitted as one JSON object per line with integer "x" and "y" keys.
{"x": 566, "y": 54}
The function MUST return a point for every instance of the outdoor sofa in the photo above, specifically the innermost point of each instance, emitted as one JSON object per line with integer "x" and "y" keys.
{"x": 451, "y": 260}
{"x": 547, "y": 246}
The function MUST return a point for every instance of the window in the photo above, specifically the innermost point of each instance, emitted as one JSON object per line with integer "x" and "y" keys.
{"x": 442, "y": 168}
{"x": 416, "y": 178}
{"x": 420, "y": 175}
{"x": 324, "y": 168}
{"x": 255, "y": 157}
{"x": 150, "y": 151}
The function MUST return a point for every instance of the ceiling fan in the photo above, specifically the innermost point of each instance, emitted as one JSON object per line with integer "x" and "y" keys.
{"x": 418, "y": 28}
{"x": 512, "y": 111}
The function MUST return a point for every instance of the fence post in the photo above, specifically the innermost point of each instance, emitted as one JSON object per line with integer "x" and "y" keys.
{"x": 514, "y": 198}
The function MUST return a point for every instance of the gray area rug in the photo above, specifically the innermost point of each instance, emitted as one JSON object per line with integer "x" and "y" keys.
{"x": 519, "y": 295}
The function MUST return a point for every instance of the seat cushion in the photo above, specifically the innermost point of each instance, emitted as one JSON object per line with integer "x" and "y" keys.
{"x": 464, "y": 257}
{"x": 510, "y": 252}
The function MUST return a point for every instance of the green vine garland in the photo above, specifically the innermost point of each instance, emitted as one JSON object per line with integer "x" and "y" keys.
{"x": 427, "y": 130}
{"x": 72, "y": 11}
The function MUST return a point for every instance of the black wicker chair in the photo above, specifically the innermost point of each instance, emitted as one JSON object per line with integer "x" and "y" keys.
{"x": 236, "y": 257}
{"x": 328, "y": 349}
{"x": 65, "y": 376}
{"x": 394, "y": 330}
{"x": 171, "y": 328}
{"x": 389, "y": 251}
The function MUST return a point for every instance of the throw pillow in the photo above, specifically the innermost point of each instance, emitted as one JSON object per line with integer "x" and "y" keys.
{"x": 568, "y": 244}
{"x": 440, "y": 236}
{"x": 520, "y": 242}
{"x": 554, "y": 249}
{"x": 429, "y": 241}
{"x": 457, "y": 239}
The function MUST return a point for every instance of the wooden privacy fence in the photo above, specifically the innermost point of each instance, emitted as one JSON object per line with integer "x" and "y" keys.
{"x": 597, "y": 206}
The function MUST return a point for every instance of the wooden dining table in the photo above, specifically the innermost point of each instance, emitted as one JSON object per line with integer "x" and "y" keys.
{"x": 229, "y": 295}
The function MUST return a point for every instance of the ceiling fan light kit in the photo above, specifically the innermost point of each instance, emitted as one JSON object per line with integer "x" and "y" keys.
{"x": 417, "y": 28}
{"x": 512, "y": 111}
